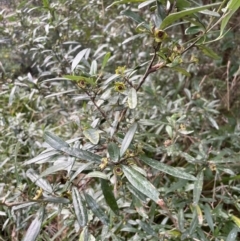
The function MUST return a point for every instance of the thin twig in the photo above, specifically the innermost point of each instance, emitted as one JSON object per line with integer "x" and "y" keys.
{"x": 98, "y": 107}
{"x": 150, "y": 69}
{"x": 228, "y": 91}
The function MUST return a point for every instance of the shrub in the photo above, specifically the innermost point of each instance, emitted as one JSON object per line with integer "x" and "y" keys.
{"x": 140, "y": 134}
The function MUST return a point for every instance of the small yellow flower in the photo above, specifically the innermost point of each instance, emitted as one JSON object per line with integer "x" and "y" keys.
{"x": 67, "y": 194}
{"x": 196, "y": 95}
{"x": 131, "y": 162}
{"x": 194, "y": 59}
{"x": 178, "y": 48}
{"x": 82, "y": 83}
{"x": 182, "y": 127}
{"x": 213, "y": 167}
{"x": 104, "y": 162}
{"x": 159, "y": 35}
{"x": 120, "y": 70}
{"x": 167, "y": 143}
{"x": 38, "y": 194}
{"x": 129, "y": 153}
{"x": 119, "y": 87}
{"x": 118, "y": 170}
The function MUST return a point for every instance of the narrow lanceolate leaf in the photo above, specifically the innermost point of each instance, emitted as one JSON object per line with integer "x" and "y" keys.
{"x": 109, "y": 197}
{"x": 173, "y": 171}
{"x": 54, "y": 141}
{"x": 105, "y": 59}
{"x": 147, "y": 228}
{"x": 236, "y": 220}
{"x": 43, "y": 156}
{"x": 231, "y": 8}
{"x": 79, "y": 170}
{"x": 55, "y": 168}
{"x": 55, "y": 200}
{"x": 79, "y": 57}
{"x": 233, "y": 234}
{"x": 84, "y": 236}
{"x": 136, "y": 18}
{"x": 79, "y": 208}
{"x": 199, "y": 214}
{"x": 92, "y": 135}
{"x": 178, "y": 15}
{"x": 96, "y": 209}
{"x": 141, "y": 183}
{"x": 82, "y": 154}
{"x": 93, "y": 69}
{"x": 113, "y": 151}
{"x": 39, "y": 181}
{"x": 198, "y": 188}
{"x": 128, "y": 138}
{"x": 97, "y": 174}
{"x": 132, "y": 98}
{"x": 208, "y": 216}
{"x": 35, "y": 226}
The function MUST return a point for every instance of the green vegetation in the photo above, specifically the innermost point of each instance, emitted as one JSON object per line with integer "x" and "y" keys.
{"x": 119, "y": 120}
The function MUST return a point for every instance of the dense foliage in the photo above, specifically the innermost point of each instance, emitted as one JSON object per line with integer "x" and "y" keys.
{"x": 119, "y": 120}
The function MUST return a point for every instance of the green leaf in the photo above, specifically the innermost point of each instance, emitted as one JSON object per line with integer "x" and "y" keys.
{"x": 54, "y": 141}
{"x": 134, "y": 37}
{"x": 173, "y": 171}
{"x": 176, "y": 16}
{"x": 79, "y": 208}
{"x": 125, "y": 1}
{"x": 233, "y": 5}
{"x": 96, "y": 209}
{"x": 97, "y": 174}
{"x": 208, "y": 216}
{"x": 113, "y": 151}
{"x": 105, "y": 59}
{"x": 169, "y": 131}
{"x": 139, "y": 207}
{"x": 236, "y": 220}
{"x": 132, "y": 98}
{"x": 210, "y": 13}
{"x": 145, "y": 3}
{"x": 147, "y": 228}
{"x": 209, "y": 52}
{"x": 43, "y": 156}
{"x": 93, "y": 69}
{"x": 84, "y": 236}
{"x": 35, "y": 226}
{"x": 160, "y": 14}
{"x": 45, "y": 3}
{"x": 92, "y": 135}
{"x": 79, "y": 57}
{"x": 40, "y": 182}
{"x": 109, "y": 197}
{"x": 52, "y": 199}
{"x": 181, "y": 70}
{"x": 141, "y": 183}
{"x": 136, "y": 193}
{"x": 88, "y": 80}
{"x": 79, "y": 170}
{"x": 231, "y": 8}
{"x": 194, "y": 223}
{"x": 55, "y": 168}
{"x": 182, "y": 4}
{"x": 233, "y": 234}
{"x": 136, "y": 18}
{"x": 82, "y": 154}
{"x": 198, "y": 184}
{"x": 213, "y": 122}
{"x": 128, "y": 139}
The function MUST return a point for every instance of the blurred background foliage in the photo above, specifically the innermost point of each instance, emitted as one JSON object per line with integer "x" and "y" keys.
{"x": 74, "y": 166}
